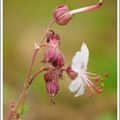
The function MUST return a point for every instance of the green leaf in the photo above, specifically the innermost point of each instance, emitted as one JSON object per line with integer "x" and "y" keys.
{"x": 24, "y": 109}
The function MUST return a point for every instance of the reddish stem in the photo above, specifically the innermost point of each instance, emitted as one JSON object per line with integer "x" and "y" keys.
{"x": 36, "y": 74}
{"x": 10, "y": 114}
{"x": 23, "y": 95}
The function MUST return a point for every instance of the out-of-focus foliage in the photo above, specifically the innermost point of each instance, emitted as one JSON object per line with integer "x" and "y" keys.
{"x": 24, "y": 23}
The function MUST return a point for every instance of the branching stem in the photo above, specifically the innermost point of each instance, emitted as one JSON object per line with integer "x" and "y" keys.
{"x": 29, "y": 80}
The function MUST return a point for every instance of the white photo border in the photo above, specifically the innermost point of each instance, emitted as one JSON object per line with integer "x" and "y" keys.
{"x": 1, "y": 60}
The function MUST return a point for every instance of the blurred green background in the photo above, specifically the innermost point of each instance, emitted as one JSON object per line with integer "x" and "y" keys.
{"x": 25, "y": 22}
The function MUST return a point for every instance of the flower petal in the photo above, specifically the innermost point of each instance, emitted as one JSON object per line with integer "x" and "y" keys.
{"x": 75, "y": 84}
{"x": 80, "y": 59}
{"x": 80, "y": 91}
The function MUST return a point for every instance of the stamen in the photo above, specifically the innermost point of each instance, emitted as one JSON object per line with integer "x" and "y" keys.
{"x": 89, "y": 83}
{"x": 92, "y": 78}
{"x": 90, "y": 87}
{"x": 92, "y": 74}
{"x": 98, "y": 90}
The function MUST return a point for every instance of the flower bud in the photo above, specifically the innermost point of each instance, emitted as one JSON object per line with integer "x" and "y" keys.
{"x": 50, "y": 55}
{"x": 52, "y": 88}
{"x": 71, "y": 73}
{"x": 61, "y": 15}
{"x": 59, "y": 62}
{"x": 51, "y": 76}
{"x": 54, "y": 57}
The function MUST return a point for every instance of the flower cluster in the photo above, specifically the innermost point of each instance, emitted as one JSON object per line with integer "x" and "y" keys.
{"x": 55, "y": 60}
{"x": 77, "y": 70}
{"x": 54, "y": 64}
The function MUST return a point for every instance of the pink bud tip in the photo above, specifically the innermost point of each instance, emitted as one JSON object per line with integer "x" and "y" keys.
{"x": 51, "y": 35}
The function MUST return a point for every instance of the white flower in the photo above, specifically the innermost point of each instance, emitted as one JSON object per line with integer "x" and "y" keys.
{"x": 79, "y": 65}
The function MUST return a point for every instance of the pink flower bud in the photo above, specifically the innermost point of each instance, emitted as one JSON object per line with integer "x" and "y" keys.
{"x": 54, "y": 57}
{"x": 59, "y": 62}
{"x": 61, "y": 14}
{"x": 50, "y": 55}
{"x": 71, "y": 73}
{"x": 51, "y": 76}
{"x": 52, "y": 88}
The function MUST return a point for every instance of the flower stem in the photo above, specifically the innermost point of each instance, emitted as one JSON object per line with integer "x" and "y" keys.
{"x": 29, "y": 80}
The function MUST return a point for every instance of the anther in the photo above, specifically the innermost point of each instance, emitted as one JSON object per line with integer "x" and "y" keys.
{"x": 106, "y": 74}
{"x": 97, "y": 79}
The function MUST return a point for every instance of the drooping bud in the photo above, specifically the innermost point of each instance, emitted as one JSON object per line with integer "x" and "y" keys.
{"x": 59, "y": 62}
{"x": 54, "y": 57}
{"x": 52, "y": 88}
{"x": 71, "y": 73}
{"x": 61, "y": 15}
{"x": 50, "y": 55}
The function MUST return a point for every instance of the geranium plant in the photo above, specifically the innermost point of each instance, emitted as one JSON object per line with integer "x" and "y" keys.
{"x": 54, "y": 62}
